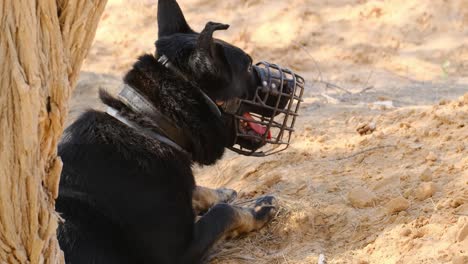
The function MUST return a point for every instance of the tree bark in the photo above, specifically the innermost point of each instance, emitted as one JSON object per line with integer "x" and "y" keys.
{"x": 42, "y": 46}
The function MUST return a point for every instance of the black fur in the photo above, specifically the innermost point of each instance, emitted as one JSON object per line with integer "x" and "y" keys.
{"x": 126, "y": 197}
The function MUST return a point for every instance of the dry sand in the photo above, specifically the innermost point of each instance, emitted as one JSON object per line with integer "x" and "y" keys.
{"x": 396, "y": 195}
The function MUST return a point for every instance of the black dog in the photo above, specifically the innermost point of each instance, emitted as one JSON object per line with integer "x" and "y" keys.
{"x": 127, "y": 191}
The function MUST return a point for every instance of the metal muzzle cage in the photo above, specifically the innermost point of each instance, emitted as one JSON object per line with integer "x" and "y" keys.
{"x": 274, "y": 107}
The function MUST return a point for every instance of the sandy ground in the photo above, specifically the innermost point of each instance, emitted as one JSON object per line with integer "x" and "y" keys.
{"x": 397, "y": 195}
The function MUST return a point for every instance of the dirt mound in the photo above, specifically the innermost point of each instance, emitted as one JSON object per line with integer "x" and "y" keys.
{"x": 398, "y": 195}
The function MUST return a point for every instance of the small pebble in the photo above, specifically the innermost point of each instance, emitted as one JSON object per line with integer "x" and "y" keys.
{"x": 431, "y": 157}
{"x": 426, "y": 175}
{"x": 361, "y": 197}
{"x": 366, "y": 129}
{"x": 457, "y": 202}
{"x": 397, "y": 205}
{"x": 322, "y": 139}
{"x": 405, "y": 232}
{"x": 425, "y": 190}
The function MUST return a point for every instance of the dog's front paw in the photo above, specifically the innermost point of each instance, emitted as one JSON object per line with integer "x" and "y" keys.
{"x": 253, "y": 217}
{"x": 265, "y": 209}
{"x": 226, "y": 195}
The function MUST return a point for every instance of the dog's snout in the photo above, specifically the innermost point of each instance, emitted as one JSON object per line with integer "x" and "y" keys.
{"x": 272, "y": 82}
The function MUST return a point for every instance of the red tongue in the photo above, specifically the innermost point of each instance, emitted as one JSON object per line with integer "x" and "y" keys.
{"x": 259, "y": 129}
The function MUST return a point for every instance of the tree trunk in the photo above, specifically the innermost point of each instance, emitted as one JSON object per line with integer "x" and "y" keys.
{"x": 42, "y": 46}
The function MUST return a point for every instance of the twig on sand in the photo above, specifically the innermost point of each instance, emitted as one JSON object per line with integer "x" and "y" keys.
{"x": 314, "y": 61}
{"x": 366, "y": 88}
{"x": 331, "y": 85}
{"x": 319, "y": 78}
{"x": 362, "y": 152}
{"x": 330, "y": 99}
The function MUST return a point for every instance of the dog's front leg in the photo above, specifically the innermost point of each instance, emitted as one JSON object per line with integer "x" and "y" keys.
{"x": 204, "y": 198}
{"x": 227, "y": 221}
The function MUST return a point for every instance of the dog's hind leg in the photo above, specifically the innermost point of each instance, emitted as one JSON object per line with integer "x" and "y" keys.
{"x": 227, "y": 221}
{"x": 204, "y": 198}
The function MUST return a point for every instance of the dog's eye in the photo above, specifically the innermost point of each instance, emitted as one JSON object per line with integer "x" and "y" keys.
{"x": 249, "y": 69}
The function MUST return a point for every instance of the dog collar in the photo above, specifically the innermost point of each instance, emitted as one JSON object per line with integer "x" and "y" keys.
{"x": 164, "y": 60}
{"x": 168, "y": 132}
{"x": 147, "y": 132}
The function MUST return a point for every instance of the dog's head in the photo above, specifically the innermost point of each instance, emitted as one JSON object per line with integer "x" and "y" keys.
{"x": 227, "y": 75}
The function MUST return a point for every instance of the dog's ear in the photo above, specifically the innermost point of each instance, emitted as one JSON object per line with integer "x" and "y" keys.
{"x": 205, "y": 40}
{"x": 207, "y": 47}
{"x": 171, "y": 20}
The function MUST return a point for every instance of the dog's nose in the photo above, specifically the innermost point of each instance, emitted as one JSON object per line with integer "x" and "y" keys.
{"x": 272, "y": 81}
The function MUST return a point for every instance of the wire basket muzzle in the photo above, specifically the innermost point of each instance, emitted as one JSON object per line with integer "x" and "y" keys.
{"x": 272, "y": 110}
